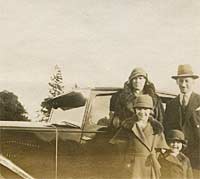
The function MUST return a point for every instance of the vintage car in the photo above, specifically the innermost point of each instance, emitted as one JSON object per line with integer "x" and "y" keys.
{"x": 72, "y": 144}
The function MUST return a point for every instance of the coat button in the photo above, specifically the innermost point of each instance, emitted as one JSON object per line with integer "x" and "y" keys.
{"x": 128, "y": 165}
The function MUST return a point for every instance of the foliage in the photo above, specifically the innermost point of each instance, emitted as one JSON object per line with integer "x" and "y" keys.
{"x": 10, "y": 108}
{"x": 56, "y": 83}
{"x": 46, "y": 109}
{"x": 56, "y": 88}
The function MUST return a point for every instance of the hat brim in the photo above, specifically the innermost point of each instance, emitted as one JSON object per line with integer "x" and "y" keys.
{"x": 176, "y": 139}
{"x": 142, "y": 106}
{"x": 135, "y": 76}
{"x": 181, "y": 76}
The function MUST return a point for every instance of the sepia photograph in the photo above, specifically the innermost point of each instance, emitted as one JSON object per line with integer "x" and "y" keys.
{"x": 99, "y": 89}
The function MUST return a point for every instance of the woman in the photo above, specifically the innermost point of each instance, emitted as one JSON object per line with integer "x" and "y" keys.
{"x": 122, "y": 102}
{"x": 141, "y": 144}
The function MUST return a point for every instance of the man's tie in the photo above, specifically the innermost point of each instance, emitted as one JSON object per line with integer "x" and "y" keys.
{"x": 184, "y": 104}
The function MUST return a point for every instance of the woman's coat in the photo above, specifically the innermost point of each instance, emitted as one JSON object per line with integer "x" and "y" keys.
{"x": 140, "y": 149}
{"x": 122, "y": 102}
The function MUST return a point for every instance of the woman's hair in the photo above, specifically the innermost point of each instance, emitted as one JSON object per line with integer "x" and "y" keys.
{"x": 151, "y": 112}
{"x": 149, "y": 88}
{"x": 184, "y": 145}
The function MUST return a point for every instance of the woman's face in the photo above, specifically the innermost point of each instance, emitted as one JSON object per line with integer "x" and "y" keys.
{"x": 143, "y": 114}
{"x": 138, "y": 83}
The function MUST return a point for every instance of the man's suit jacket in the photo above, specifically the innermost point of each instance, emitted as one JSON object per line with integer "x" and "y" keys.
{"x": 190, "y": 125}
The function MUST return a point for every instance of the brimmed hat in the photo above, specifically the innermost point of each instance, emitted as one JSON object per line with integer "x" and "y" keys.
{"x": 143, "y": 101}
{"x": 176, "y": 135}
{"x": 137, "y": 72}
{"x": 185, "y": 71}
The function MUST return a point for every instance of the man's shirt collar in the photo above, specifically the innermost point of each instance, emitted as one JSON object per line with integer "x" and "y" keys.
{"x": 187, "y": 97}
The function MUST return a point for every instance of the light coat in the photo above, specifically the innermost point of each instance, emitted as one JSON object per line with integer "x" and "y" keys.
{"x": 140, "y": 149}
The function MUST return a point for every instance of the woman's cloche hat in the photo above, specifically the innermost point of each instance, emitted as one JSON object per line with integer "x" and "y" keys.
{"x": 143, "y": 101}
{"x": 138, "y": 72}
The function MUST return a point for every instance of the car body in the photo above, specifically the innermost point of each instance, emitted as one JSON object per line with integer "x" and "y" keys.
{"x": 68, "y": 145}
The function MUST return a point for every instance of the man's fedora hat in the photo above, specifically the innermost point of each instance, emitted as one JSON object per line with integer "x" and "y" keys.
{"x": 143, "y": 101}
{"x": 176, "y": 135}
{"x": 185, "y": 71}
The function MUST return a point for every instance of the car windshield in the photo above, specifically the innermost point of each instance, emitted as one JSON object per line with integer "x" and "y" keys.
{"x": 71, "y": 117}
{"x": 68, "y": 109}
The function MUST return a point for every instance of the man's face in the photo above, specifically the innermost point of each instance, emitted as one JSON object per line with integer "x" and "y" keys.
{"x": 143, "y": 114}
{"x": 138, "y": 83}
{"x": 185, "y": 84}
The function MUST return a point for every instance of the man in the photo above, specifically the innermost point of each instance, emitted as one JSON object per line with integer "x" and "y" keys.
{"x": 183, "y": 113}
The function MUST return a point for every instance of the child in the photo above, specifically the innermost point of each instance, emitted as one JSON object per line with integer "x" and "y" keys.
{"x": 174, "y": 164}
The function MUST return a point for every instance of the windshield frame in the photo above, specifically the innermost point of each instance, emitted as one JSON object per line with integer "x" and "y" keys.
{"x": 82, "y": 95}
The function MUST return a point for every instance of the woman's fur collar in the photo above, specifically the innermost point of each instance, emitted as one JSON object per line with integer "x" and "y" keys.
{"x": 149, "y": 88}
{"x": 156, "y": 125}
{"x": 127, "y": 96}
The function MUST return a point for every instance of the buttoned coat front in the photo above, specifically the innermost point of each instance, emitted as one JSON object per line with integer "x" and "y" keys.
{"x": 140, "y": 151}
{"x": 189, "y": 124}
{"x": 175, "y": 167}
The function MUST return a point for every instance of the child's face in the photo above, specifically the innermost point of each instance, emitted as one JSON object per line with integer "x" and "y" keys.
{"x": 175, "y": 146}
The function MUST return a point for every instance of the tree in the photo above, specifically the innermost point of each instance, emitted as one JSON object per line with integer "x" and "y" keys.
{"x": 46, "y": 109}
{"x": 56, "y": 83}
{"x": 56, "y": 88}
{"x": 10, "y": 108}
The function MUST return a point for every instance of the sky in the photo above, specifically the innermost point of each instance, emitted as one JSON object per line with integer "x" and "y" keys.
{"x": 95, "y": 43}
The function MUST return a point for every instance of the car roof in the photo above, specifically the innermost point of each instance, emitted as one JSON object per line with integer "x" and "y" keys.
{"x": 86, "y": 91}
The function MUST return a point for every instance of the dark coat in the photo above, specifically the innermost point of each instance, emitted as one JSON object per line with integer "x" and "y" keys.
{"x": 139, "y": 149}
{"x": 175, "y": 167}
{"x": 189, "y": 124}
{"x": 122, "y": 102}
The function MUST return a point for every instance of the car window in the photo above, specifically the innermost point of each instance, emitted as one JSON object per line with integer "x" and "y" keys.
{"x": 100, "y": 109}
{"x": 99, "y": 113}
{"x": 72, "y": 116}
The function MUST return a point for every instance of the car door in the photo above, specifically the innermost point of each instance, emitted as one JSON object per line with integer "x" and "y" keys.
{"x": 29, "y": 148}
{"x": 96, "y": 135}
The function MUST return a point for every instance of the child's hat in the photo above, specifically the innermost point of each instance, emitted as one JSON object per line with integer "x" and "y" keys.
{"x": 176, "y": 135}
